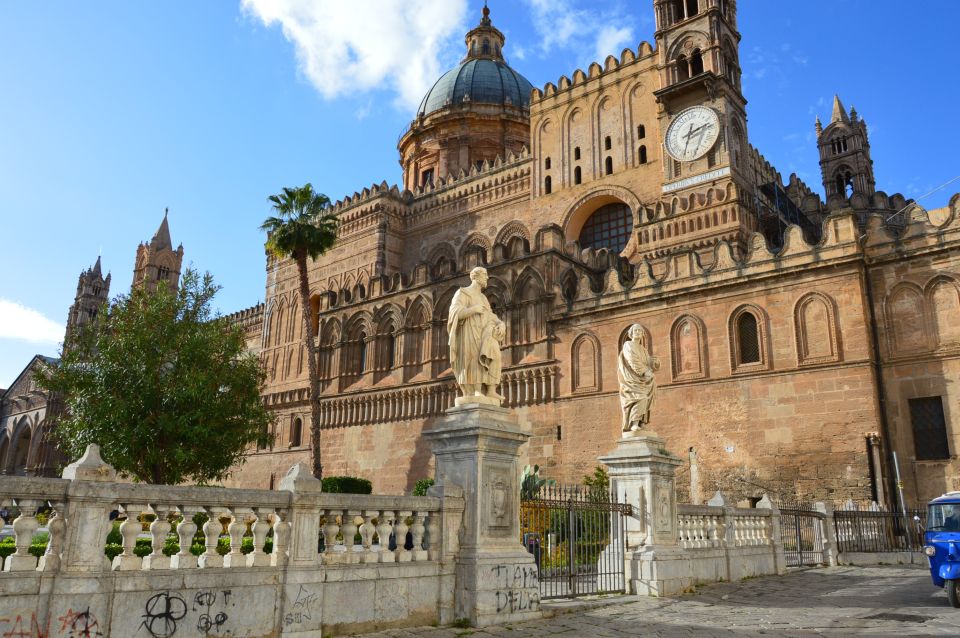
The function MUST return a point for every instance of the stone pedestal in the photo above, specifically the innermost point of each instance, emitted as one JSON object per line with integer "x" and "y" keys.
{"x": 642, "y": 473}
{"x": 476, "y": 447}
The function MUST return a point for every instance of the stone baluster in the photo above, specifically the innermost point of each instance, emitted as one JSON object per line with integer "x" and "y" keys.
{"x": 710, "y": 533}
{"x": 211, "y": 536}
{"x": 349, "y": 531}
{"x": 281, "y": 540}
{"x": 23, "y": 528}
{"x": 236, "y": 529}
{"x": 260, "y": 527}
{"x": 400, "y": 529}
{"x": 681, "y": 530}
{"x": 159, "y": 529}
{"x": 186, "y": 528}
{"x": 129, "y": 529}
{"x": 433, "y": 536}
{"x": 330, "y": 530}
{"x": 367, "y": 530}
{"x": 57, "y": 529}
{"x": 384, "y": 527}
{"x": 417, "y": 530}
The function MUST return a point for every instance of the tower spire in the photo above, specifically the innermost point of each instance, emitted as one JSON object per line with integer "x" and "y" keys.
{"x": 839, "y": 113}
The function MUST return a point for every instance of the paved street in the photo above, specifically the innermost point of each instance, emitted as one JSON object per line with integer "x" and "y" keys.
{"x": 839, "y": 601}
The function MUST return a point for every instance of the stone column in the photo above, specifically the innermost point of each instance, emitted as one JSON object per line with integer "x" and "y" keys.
{"x": 477, "y": 449}
{"x": 642, "y": 473}
{"x": 89, "y": 503}
{"x": 828, "y": 533}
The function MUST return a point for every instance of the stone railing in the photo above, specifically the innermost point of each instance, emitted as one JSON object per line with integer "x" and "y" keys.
{"x": 407, "y": 546}
{"x": 706, "y": 526}
{"x": 520, "y": 387}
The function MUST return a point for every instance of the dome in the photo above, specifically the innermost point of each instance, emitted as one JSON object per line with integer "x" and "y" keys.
{"x": 481, "y": 81}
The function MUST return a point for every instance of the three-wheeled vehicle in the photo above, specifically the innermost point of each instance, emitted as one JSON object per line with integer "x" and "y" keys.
{"x": 941, "y": 541}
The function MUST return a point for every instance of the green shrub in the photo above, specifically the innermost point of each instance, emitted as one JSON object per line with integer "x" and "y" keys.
{"x": 112, "y": 550}
{"x": 114, "y": 537}
{"x": 420, "y": 487}
{"x": 347, "y": 485}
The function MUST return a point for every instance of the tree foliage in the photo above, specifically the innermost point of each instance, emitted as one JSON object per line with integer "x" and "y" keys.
{"x": 166, "y": 389}
{"x": 303, "y": 227}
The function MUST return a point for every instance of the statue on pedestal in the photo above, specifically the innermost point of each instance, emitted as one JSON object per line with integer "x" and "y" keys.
{"x": 476, "y": 334}
{"x": 638, "y": 388}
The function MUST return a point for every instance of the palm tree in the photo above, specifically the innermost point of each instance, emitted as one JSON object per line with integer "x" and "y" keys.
{"x": 303, "y": 227}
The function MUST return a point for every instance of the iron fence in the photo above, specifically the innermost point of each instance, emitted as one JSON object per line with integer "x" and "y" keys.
{"x": 879, "y": 531}
{"x": 801, "y": 532}
{"x": 576, "y": 535}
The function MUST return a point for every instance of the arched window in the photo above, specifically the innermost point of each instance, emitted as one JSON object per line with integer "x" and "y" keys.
{"x": 163, "y": 273}
{"x": 683, "y": 69}
{"x": 576, "y": 153}
{"x": 577, "y": 175}
{"x": 296, "y": 432}
{"x": 641, "y": 132}
{"x": 362, "y": 354}
{"x": 486, "y": 47}
{"x": 547, "y": 185}
{"x": 546, "y": 164}
{"x": 609, "y": 166}
{"x": 748, "y": 339}
{"x": 607, "y": 143}
{"x": 693, "y": 8}
{"x": 845, "y": 183}
{"x": 609, "y": 227}
{"x": 696, "y": 63}
{"x": 643, "y": 154}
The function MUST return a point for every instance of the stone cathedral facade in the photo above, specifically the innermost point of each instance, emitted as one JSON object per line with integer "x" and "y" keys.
{"x": 803, "y": 341}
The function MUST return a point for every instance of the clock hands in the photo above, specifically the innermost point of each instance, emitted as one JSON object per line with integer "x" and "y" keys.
{"x": 691, "y": 132}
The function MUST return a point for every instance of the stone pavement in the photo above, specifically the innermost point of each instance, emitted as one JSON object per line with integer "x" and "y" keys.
{"x": 837, "y": 601}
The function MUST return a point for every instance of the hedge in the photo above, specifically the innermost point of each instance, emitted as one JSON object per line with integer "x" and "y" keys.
{"x": 142, "y": 548}
{"x": 347, "y": 485}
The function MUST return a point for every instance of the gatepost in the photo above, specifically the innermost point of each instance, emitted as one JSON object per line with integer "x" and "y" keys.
{"x": 477, "y": 448}
{"x": 642, "y": 470}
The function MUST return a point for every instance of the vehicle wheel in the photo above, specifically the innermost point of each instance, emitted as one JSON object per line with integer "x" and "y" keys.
{"x": 953, "y": 592}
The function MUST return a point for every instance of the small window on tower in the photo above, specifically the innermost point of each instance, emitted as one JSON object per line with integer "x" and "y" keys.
{"x": 676, "y": 168}
{"x": 163, "y": 273}
{"x": 577, "y": 175}
{"x": 693, "y": 8}
{"x": 609, "y": 166}
{"x": 641, "y": 132}
{"x": 426, "y": 177}
{"x": 547, "y": 185}
{"x": 96, "y": 290}
{"x": 576, "y": 153}
{"x": 607, "y": 143}
{"x": 486, "y": 47}
{"x": 643, "y": 154}
{"x": 546, "y": 164}
{"x": 696, "y": 63}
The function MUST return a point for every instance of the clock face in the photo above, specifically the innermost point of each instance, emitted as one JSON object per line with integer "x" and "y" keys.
{"x": 692, "y": 133}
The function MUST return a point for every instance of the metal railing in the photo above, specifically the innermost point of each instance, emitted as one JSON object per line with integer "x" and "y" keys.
{"x": 879, "y": 531}
{"x": 576, "y": 535}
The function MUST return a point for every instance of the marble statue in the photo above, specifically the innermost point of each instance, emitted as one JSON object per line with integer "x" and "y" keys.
{"x": 638, "y": 388}
{"x": 476, "y": 334}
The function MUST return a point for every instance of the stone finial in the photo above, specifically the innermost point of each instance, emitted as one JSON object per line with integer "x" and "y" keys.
{"x": 90, "y": 467}
{"x": 300, "y": 479}
{"x": 765, "y": 503}
{"x": 718, "y": 500}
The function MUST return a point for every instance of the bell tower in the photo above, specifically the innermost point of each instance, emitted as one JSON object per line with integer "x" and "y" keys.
{"x": 158, "y": 261}
{"x": 698, "y": 47}
{"x": 93, "y": 290}
{"x": 845, "y": 155}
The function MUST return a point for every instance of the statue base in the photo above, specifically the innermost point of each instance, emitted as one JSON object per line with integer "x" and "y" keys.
{"x": 478, "y": 400}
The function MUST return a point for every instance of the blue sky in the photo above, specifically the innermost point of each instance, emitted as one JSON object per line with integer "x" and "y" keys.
{"x": 112, "y": 111}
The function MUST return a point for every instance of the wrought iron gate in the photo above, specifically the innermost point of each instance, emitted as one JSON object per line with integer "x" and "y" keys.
{"x": 576, "y": 535}
{"x": 801, "y": 531}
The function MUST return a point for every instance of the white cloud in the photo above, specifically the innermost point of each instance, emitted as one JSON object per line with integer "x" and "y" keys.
{"x": 26, "y": 324}
{"x": 345, "y": 48}
{"x": 612, "y": 40}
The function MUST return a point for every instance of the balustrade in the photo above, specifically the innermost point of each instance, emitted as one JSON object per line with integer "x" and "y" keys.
{"x": 702, "y": 526}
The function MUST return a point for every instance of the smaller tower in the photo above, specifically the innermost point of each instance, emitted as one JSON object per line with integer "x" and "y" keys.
{"x": 845, "y": 155}
{"x": 93, "y": 290}
{"x": 158, "y": 261}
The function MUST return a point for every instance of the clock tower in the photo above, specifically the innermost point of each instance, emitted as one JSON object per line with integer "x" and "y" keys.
{"x": 701, "y": 112}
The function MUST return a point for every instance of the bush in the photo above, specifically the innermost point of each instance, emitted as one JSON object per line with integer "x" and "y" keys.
{"x": 114, "y": 537}
{"x": 347, "y": 485}
{"x": 421, "y": 486}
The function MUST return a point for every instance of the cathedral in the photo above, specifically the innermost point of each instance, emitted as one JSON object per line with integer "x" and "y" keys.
{"x": 805, "y": 341}
{"x": 27, "y": 412}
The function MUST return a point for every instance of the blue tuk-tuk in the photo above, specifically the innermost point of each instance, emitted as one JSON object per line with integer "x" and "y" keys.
{"x": 942, "y": 543}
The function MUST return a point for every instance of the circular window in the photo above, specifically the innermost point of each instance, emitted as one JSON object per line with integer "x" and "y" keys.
{"x": 609, "y": 227}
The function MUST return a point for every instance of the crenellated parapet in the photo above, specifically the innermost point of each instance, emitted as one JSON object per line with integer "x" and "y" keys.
{"x": 595, "y": 74}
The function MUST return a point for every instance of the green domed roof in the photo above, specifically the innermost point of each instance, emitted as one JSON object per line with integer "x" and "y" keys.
{"x": 477, "y": 81}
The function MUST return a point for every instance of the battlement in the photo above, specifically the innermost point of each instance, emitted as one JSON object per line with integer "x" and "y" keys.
{"x": 594, "y": 73}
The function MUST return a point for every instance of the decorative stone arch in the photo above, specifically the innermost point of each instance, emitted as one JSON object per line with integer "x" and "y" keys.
{"x": 577, "y": 215}
{"x": 441, "y": 336}
{"x": 569, "y": 285}
{"x": 355, "y": 355}
{"x": 18, "y": 457}
{"x": 906, "y": 317}
{"x": 688, "y": 348}
{"x": 362, "y": 286}
{"x": 296, "y": 431}
{"x": 749, "y": 338}
{"x": 330, "y": 340}
{"x": 817, "y": 329}
{"x": 686, "y": 43}
{"x": 942, "y": 297}
{"x": 442, "y": 260}
{"x": 294, "y": 327}
{"x": 513, "y": 229}
{"x": 625, "y": 335}
{"x": 585, "y": 364}
{"x": 268, "y": 324}
{"x": 416, "y": 335}
{"x": 4, "y": 450}
{"x": 280, "y": 316}
{"x": 475, "y": 251}
{"x": 387, "y": 321}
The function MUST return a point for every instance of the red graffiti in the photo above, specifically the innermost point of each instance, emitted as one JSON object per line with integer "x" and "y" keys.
{"x": 80, "y": 624}
{"x": 23, "y": 628}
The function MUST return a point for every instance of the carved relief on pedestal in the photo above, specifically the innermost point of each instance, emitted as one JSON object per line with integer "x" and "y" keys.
{"x": 499, "y": 496}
